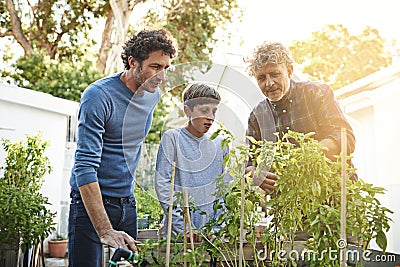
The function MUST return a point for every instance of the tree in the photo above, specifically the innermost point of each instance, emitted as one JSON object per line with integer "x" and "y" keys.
{"x": 56, "y": 27}
{"x": 334, "y": 56}
{"x": 194, "y": 24}
{"x": 114, "y": 34}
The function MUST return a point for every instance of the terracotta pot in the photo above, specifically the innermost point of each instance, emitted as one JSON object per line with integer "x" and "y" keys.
{"x": 58, "y": 248}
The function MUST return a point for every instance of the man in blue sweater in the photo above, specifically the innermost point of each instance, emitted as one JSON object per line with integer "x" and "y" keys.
{"x": 114, "y": 117}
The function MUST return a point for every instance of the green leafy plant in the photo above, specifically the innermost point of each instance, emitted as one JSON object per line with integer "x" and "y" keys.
{"x": 225, "y": 246}
{"x": 147, "y": 205}
{"x": 24, "y": 213}
{"x": 308, "y": 198}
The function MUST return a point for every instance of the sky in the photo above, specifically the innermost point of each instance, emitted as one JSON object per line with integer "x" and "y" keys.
{"x": 288, "y": 20}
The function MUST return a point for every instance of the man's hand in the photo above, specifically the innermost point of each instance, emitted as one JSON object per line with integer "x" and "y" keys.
{"x": 118, "y": 239}
{"x": 265, "y": 180}
{"x": 332, "y": 148}
{"x": 268, "y": 182}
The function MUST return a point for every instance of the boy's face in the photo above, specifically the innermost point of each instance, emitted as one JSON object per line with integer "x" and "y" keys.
{"x": 200, "y": 118}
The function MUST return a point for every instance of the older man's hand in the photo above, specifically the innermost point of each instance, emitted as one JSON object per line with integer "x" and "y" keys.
{"x": 265, "y": 180}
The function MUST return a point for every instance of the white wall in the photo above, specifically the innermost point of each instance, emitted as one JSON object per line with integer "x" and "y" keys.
{"x": 387, "y": 126}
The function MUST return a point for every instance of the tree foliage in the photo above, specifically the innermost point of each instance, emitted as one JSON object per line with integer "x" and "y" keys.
{"x": 334, "y": 56}
{"x": 194, "y": 24}
{"x": 55, "y": 27}
{"x": 64, "y": 79}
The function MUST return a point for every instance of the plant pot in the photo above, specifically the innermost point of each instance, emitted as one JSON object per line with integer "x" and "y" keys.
{"x": 9, "y": 252}
{"x": 58, "y": 248}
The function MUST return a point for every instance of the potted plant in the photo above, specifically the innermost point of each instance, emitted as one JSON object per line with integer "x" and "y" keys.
{"x": 25, "y": 218}
{"x": 58, "y": 246}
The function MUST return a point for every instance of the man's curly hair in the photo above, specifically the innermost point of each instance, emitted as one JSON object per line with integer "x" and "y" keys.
{"x": 146, "y": 42}
{"x": 268, "y": 52}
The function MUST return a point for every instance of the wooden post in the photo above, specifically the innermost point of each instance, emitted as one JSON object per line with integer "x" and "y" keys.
{"x": 189, "y": 222}
{"x": 344, "y": 201}
{"x": 184, "y": 234}
{"x": 241, "y": 230}
{"x": 171, "y": 205}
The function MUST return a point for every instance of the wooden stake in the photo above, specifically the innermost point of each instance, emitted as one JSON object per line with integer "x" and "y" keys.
{"x": 241, "y": 237}
{"x": 171, "y": 205}
{"x": 159, "y": 237}
{"x": 184, "y": 238}
{"x": 343, "y": 195}
{"x": 189, "y": 222}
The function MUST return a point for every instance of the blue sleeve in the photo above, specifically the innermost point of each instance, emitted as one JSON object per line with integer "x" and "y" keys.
{"x": 93, "y": 114}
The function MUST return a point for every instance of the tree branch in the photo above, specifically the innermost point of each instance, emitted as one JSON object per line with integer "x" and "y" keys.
{"x": 105, "y": 42}
{"x": 7, "y": 33}
{"x": 16, "y": 28}
{"x": 175, "y": 9}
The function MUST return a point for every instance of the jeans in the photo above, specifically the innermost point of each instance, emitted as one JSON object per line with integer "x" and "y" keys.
{"x": 84, "y": 247}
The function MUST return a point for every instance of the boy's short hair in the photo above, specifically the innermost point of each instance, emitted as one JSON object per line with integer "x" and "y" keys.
{"x": 199, "y": 94}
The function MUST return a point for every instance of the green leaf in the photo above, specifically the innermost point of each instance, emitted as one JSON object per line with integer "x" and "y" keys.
{"x": 252, "y": 139}
{"x": 232, "y": 229}
{"x": 381, "y": 240}
{"x": 316, "y": 188}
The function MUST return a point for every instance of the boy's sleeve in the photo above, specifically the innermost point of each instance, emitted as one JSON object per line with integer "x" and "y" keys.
{"x": 165, "y": 157}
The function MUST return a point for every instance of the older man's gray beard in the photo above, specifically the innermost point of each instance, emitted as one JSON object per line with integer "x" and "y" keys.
{"x": 284, "y": 93}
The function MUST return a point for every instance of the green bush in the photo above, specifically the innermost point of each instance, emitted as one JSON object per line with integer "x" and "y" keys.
{"x": 23, "y": 210}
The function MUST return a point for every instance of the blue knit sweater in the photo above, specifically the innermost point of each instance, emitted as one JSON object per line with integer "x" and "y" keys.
{"x": 112, "y": 123}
